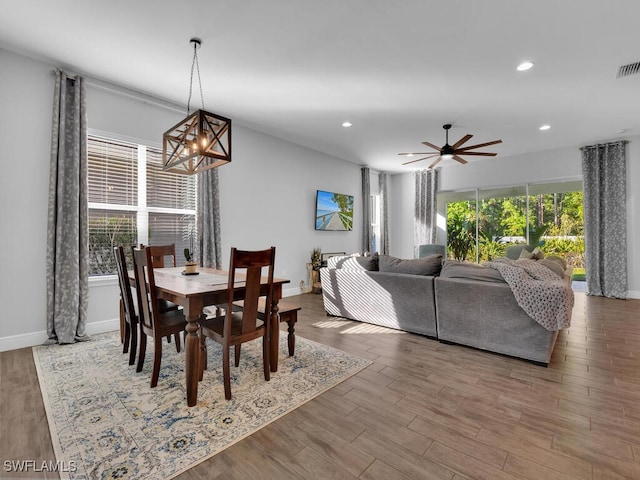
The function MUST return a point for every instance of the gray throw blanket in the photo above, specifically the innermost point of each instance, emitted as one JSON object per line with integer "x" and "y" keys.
{"x": 544, "y": 296}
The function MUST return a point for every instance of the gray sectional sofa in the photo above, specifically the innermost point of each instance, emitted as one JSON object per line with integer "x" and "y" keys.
{"x": 356, "y": 288}
{"x": 458, "y": 303}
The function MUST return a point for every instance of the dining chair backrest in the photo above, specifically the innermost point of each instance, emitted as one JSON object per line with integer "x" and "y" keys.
{"x": 253, "y": 263}
{"x": 130, "y": 319}
{"x": 153, "y": 321}
{"x": 159, "y": 252}
{"x": 125, "y": 285}
{"x": 145, "y": 288}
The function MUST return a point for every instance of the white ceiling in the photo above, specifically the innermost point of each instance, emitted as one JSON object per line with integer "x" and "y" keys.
{"x": 397, "y": 69}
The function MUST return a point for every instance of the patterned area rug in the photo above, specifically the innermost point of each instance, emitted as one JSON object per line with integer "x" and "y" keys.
{"x": 106, "y": 422}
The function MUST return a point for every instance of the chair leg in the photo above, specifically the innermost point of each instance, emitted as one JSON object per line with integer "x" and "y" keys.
{"x": 177, "y": 336}
{"x": 157, "y": 357}
{"x": 143, "y": 351}
{"x": 127, "y": 337}
{"x": 226, "y": 371}
{"x": 122, "y": 322}
{"x": 236, "y": 355}
{"x": 168, "y": 338}
{"x": 134, "y": 344}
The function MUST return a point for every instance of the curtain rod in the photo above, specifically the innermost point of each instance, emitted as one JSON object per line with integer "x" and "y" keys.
{"x": 623, "y": 142}
{"x": 125, "y": 91}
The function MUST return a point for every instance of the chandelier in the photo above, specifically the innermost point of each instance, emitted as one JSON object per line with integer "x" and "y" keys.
{"x": 199, "y": 142}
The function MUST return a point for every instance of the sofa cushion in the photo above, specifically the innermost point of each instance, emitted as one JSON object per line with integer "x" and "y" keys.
{"x": 535, "y": 254}
{"x": 525, "y": 254}
{"x": 354, "y": 262}
{"x": 471, "y": 271}
{"x": 514, "y": 251}
{"x": 430, "y": 265}
{"x": 561, "y": 261}
{"x": 554, "y": 266}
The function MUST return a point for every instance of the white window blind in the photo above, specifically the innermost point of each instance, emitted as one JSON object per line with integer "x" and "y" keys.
{"x": 113, "y": 172}
{"x": 124, "y": 209}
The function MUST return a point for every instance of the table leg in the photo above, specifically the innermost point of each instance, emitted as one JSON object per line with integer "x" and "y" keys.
{"x": 192, "y": 352}
{"x": 275, "y": 335}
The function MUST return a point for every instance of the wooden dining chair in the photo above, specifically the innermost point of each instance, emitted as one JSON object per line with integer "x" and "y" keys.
{"x": 127, "y": 309}
{"x": 154, "y": 323}
{"x": 237, "y": 327}
{"x": 159, "y": 256}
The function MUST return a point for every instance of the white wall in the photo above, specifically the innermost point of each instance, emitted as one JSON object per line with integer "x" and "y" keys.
{"x": 278, "y": 176}
{"x": 401, "y": 208}
{"x": 267, "y": 195}
{"x": 537, "y": 167}
{"x": 26, "y": 99}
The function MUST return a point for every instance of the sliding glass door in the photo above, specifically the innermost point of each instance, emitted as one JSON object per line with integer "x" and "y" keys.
{"x": 481, "y": 223}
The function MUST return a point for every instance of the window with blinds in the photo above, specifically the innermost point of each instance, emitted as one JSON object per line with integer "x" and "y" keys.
{"x": 125, "y": 211}
{"x": 166, "y": 190}
{"x": 113, "y": 172}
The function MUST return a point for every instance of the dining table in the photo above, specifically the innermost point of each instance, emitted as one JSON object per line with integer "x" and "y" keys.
{"x": 209, "y": 287}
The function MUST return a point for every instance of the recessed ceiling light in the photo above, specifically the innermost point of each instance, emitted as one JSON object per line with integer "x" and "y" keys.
{"x": 347, "y": 124}
{"x": 524, "y": 66}
{"x": 545, "y": 127}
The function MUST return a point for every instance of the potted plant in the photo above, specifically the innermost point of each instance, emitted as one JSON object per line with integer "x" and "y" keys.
{"x": 316, "y": 263}
{"x": 190, "y": 265}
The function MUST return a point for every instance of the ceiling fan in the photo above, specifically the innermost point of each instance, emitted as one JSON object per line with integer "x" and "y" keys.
{"x": 448, "y": 152}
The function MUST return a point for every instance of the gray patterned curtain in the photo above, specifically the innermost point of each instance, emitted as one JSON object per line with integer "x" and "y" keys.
{"x": 605, "y": 219}
{"x": 384, "y": 219}
{"x": 208, "y": 220}
{"x": 425, "y": 208}
{"x": 67, "y": 229}
{"x": 367, "y": 234}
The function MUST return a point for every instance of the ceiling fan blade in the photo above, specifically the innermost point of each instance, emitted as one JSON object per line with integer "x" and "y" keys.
{"x": 431, "y": 145}
{"x": 415, "y": 153}
{"x": 423, "y": 158}
{"x": 481, "y": 154}
{"x": 435, "y": 163}
{"x": 459, "y": 159}
{"x": 480, "y": 145}
{"x": 463, "y": 140}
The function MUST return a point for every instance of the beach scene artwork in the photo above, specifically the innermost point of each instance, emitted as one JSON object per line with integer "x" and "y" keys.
{"x": 334, "y": 211}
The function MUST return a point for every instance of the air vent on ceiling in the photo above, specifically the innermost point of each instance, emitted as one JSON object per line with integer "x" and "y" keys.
{"x": 626, "y": 70}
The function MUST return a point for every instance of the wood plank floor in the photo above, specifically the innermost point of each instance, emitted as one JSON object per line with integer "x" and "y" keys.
{"x": 423, "y": 410}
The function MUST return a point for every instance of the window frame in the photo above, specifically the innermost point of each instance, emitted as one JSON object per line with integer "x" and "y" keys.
{"x": 141, "y": 209}
{"x": 476, "y": 194}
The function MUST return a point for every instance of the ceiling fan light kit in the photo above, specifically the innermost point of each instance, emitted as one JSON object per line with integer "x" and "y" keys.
{"x": 199, "y": 142}
{"x": 451, "y": 152}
